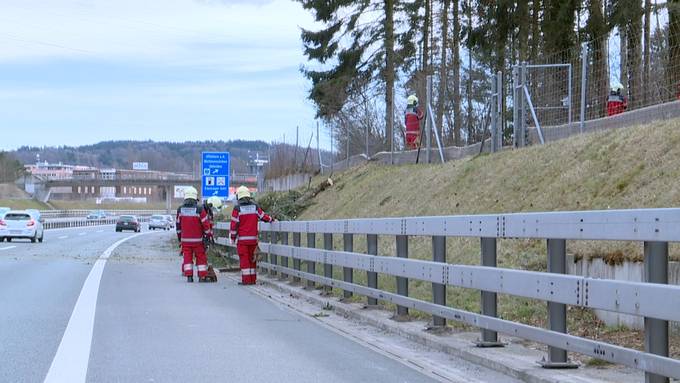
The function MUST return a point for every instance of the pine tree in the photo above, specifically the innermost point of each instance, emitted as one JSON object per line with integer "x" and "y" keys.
{"x": 354, "y": 49}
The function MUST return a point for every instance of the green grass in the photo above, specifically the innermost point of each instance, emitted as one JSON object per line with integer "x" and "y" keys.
{"x": 20, "y": 204}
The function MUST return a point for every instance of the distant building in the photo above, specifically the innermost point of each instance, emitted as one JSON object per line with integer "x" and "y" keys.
{"x": 53, "y": 172}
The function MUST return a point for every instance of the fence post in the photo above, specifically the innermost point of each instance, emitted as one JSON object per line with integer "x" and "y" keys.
{"x": 557, "y": 312}
{"x": 402, "y": 283}
{"x": 494, "y": 114}
{"x": 489, "y": 302}
{"x": 439, "y": 289}
{"x": 584, "y": 84}
{"x": 273, "y": 258}
{"x": 347, "y": 272}
{"x": 515, "y": 106}
{"x": 371, "y": 276}
{"x": 311, "y": 266}
{"x": 428, "y": 122}
{"x": 499, "y": 119}
{"x": 284, "y": 260}
{"x": 327, "y": 267}
{"x": 523, "y": 107}
{"x": 296, "y": 261}
{"x": 656, "y": 330}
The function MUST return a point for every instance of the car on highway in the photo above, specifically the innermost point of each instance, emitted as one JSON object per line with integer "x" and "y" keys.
{"x": 24, "y": 224}
{"x": 96, "y": 215}
{"x": 171, "y": 220}
{"x": 159, "y": 222}
{"x": 128, "y": 222}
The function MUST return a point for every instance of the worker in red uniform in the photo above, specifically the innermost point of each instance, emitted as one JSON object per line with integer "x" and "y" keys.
{"x": 244, "y": 230}
{"x": 192, "y": 228}
{"x": 617, "y": 102}
{"x": 212, "y": 205}
{"x": 413, "y": 116}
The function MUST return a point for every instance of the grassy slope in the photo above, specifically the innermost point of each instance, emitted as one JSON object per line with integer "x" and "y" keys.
{"x": 23, "y": 204}
{"x": 629, "y": 168}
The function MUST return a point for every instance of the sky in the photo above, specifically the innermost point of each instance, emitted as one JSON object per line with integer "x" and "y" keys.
{"x": 76, "y": 72}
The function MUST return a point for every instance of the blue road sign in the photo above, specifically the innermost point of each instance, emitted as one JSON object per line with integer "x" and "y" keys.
{"x": 215, "y": 174}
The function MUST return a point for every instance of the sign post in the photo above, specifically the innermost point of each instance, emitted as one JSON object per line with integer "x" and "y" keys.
{"x": 215, "y": 174}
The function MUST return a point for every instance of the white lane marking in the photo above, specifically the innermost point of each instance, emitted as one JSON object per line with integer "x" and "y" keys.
{"x": 81, "y": 234}
{"x": 73, "y": 355}
{"x": 100, "y": 231}
{"x": 7, "y": 248}
{"x": 63, "y": 237}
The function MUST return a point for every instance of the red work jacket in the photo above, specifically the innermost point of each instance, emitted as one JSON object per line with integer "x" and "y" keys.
{"x": 244, "y": 220}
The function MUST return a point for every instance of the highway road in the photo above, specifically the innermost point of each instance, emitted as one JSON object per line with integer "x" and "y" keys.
{"x": 93, "y": 305}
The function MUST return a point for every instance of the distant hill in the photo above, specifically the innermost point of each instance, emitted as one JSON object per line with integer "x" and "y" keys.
{"x": 164, "y": 156}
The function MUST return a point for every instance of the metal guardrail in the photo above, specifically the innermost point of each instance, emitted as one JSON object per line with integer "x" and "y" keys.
{"x": 84, "y": 213}
{"x": 61, "y": 224}
{"x": 655, "y": 300}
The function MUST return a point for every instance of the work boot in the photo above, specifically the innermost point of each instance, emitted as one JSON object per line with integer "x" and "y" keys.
{"x": 190, "y": 278}
{"x": 203, "y": 279}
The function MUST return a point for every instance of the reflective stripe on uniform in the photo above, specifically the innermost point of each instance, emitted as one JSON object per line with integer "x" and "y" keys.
{"x": 415, "y": 133}
{"x": 247, "y": 238}
{"x": 248, "y": 272}
{"x": 204, "y": 219}
{"x": 192, "y": 240}
{"x": 188, "y": 267}
{"x": 202, "y": 267}
{"x": 248, "y": 213}
{"x": 234, "y": 219}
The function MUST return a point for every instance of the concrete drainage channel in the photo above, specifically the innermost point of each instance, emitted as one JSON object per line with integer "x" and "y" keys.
{"x": 515, "y": 361}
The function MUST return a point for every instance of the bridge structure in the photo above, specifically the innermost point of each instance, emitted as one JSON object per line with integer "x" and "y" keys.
{"x": 654, "y": 299}
{"x": 163, "y": 187}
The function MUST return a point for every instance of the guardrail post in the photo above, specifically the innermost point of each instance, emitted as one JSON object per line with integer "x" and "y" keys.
{"x": 327, "y": 267}
{"x": 656, "y": 330}
{"x": 402, "y": 283}
{"x": 557, "y": 312}
{"x": 347, "y": 272}
{"x": 296, "y": 261}
{"x": 371, "y": 276}
{"x": 284, "y": 260}
{"x": 311, "y": 266}
{"x": 273, "y": 258}
{"x": 489, "y": 302}
{"x": 439, "y": 289}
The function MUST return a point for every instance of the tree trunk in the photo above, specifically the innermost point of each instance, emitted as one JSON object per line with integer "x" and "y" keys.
{"x": 647, "y": 51}
{"x": 535, "y": 30}
{"x": 457, "y": 123}
{"x": 673, "y": 67}
{"x": 598, "y": 83}
{"x": 389, "y": 73}
{"x": 524, "y": 23}
{"x": 469, "y": 79}
{"x": 623, "y": 54}
{"x": 443, "y": 66}
{"x": 634, "y": 36}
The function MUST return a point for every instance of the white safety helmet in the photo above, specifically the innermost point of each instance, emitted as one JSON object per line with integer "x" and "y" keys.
{"x": 191, "y": 193}
{"x": 616, "y": 86}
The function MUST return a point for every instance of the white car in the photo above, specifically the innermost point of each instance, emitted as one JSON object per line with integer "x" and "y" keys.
{"x": 159, "y": 222}
{"x": 24, "y": 224}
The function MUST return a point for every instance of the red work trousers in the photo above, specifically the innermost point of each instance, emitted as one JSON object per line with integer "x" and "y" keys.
{"x": 189, "y": 251}
{"x": 247, "y": 261}
{"x": 412, "y": 139}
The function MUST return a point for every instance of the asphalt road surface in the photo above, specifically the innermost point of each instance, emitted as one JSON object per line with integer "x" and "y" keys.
{"x": 93, "y": 305}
